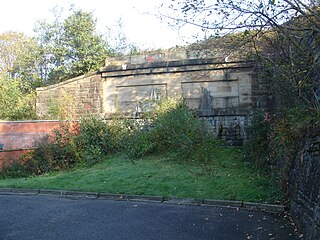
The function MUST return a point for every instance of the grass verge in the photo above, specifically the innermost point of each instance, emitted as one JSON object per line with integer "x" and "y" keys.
{"x": 228, "y": 178}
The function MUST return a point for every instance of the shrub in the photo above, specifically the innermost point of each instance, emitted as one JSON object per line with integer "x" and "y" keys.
{"x": 278, "y": 139}
{"x": 54, "y": 153}
{"x": 15, "y": 170}
{"x": 139, "y": 143}
{"x": 258, "y": 148}
{"x": 62, "y": 107}
{"x": 94, "y": 140}
{"x": 171, "y": 127}
{"x": 175, "y": 127}
{"x": 119, "y": 129}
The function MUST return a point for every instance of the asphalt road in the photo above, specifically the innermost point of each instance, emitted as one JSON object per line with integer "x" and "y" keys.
{"x": 55, "y": 217}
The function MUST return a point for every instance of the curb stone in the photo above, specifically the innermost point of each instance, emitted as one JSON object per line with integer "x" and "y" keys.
{"x": 19, "y": 191}
{"x": 225, "y": 203}
{"x": 81, "y": 194}
{"x": 51, "y": 192}
{"x": 184, "y": 201}
{"x": 130, "y": 197}
{"x": 144, "y": 198}
{"x": 110, "y": 196}
{"x": 263, "y": 207}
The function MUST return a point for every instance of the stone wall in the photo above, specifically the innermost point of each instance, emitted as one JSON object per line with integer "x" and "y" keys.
{"x": 222, "y": 92}
{"x": 304, "y": 189}
{"x": 79, "y": 96}
{"x": 212, "y": 88}
{"x": 232, "y": 129}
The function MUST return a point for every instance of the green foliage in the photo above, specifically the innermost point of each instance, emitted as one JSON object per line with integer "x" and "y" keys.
{"x": 257, "y": 148}
{"x": 139, "y": 143}
{"x": 176, "y": 128}
{"x": 120, "y": 129}
{"x": 15, "y": 104}
{"x": 94, "y": 140}
{"x": 20, "y": 58}
{"x": 171, "y": 127}
{"x": 15, "y": 170}
{"x": 62, "y": 108}
{"x": 53, "y": 153}
{"x": 278, "y": 139}
{"x": 71, "y": 47}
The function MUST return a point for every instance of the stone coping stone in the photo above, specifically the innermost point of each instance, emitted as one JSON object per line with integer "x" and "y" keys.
{"x": 160, "y": 199}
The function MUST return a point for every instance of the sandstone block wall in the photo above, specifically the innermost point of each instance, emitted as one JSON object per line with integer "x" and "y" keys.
{"x": 207, "y": 86}
{"x": 79, "y": 96}
{"x": 223, "y": 91}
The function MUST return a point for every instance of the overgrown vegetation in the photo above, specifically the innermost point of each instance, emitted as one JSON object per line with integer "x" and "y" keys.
{"x": 282, "y": 37}
{"x": 174, "y": 128}
{"x": 169, "y": 152}
{"x": 170, "y": 127}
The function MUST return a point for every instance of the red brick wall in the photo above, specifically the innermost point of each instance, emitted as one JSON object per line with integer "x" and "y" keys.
{"x": 19, "y": 137}
{"x": 9, "y": 156}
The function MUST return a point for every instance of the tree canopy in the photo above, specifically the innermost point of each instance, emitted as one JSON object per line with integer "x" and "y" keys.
{"x": 61, "y": 49}
{"x": 71, "y": 47}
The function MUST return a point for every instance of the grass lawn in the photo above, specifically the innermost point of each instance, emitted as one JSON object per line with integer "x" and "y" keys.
{"x": 228, "y": 178}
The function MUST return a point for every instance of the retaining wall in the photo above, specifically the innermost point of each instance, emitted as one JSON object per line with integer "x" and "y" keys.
{"x": 19, "y": 137}
{"x": 225, "y": 93}
{"x": 304, "y": 189}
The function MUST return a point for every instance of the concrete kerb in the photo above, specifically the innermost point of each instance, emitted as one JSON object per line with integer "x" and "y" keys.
{"x": 184, "y": 201}
{"x": 142, "y": 198}
{"x": 19, "y": 191}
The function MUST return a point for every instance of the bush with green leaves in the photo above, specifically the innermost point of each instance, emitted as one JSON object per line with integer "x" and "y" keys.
{"x": 119, "y": 129}
{"x": 94, "y": 140}
{"x": 278, "y": 138}
{"x": 15, "y": 104}
{"x": 139, "y": 143}
{"x": 171, "y": 127}
{"x": 15, "y": 170}
{"x": 175, "y": 127}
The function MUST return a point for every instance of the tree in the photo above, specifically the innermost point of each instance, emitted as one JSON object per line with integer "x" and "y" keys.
{"x": 11, "y": 44}
{"x": 15, "y": 104}
{"x": 71, "y": 46}
{"x": 20, "y": 59}
{"x": 224, "y": 15}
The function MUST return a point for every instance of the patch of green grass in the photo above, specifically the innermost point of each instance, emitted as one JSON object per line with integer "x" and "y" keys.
{"x": 227, "y": 177}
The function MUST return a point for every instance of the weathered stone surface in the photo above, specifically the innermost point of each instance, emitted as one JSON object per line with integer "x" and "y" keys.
{"x": 84, "y": 89}
{"x": 304, "y": 189}
{"x": 224, "y": 91}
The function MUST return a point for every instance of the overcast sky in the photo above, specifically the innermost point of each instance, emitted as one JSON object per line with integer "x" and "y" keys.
{"x": 140, "y": 26}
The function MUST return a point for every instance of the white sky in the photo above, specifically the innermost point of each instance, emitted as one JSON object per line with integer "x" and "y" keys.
{"x": 141, "y": 28}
